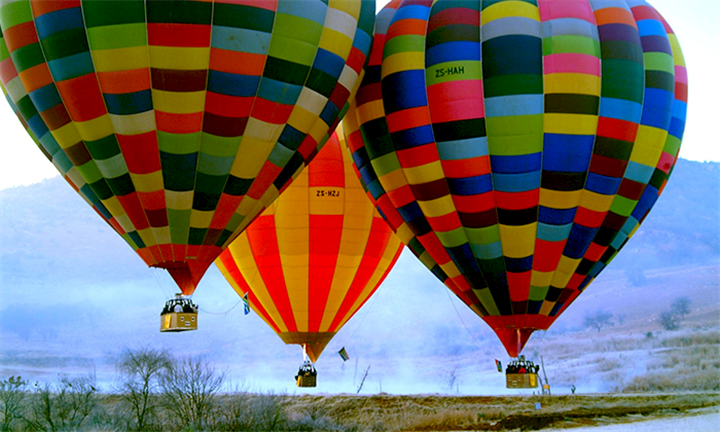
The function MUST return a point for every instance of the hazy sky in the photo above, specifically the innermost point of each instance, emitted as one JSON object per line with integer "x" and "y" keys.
{"x": 696, "y": 22}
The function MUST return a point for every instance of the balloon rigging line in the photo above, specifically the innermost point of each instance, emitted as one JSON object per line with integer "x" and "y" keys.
{"x": 157, "y": 281}
{"x": 369, "y": 309}
{"x": 447, "y": 291}
{"x": 220, "y": 313}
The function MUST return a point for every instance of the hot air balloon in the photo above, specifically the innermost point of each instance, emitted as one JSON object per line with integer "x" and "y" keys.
{"x": 314, "y": 257}
{"x": 180, "y": 121}
{"x": 521, "y": 142}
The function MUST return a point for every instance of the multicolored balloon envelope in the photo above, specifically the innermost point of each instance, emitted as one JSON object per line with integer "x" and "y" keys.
{"x": 516, "y": 146}
{"x": 315, "y": 256}
{"x": 180, "y": 121}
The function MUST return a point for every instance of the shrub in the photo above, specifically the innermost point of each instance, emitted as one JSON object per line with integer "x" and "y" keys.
{"x": 189, "y": 387}
{"x": 12, "y": 394}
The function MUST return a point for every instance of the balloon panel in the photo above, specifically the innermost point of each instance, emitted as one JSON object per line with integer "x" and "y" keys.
{"x": 184, "y": 118}
{"x": 530, "y": 138}
{"x": 315, "y": 256}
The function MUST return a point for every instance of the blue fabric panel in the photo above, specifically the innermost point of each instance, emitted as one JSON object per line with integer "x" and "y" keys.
{"x": 463, "y": 149}
{"x": 280, "y": 155}
{"x": 517, "y": 182}
{"x": 404, "y": 90}
{"x": 556, "y": 216}
{"x": 279, "y": 92}
{"x": 414, "y": 137}
{"x": 38, "y": 127}
{"x": 412, "y": 12}
{"x": 639, "y": 172}
{"x": 519, "y": 265}
{"x": 58, "y": 21}
{"x": 463, "y": 257}
{"x": 71, "y": 67}
{"x": 128, "y": 103}
{"x": 232, "y": 84}
{"x": 470, "y": 185}
{"x": 651, "y": 27}
{"x": 310, "y": 10}
{"x": 579, "y": 241}
{"x": 657, "y": 108}
{"x": 45, "y": 97}
{"x": 452, "y": 51}
{"x": 567, "y": 153}
{"x": 516, "y": 164}
{"x": 620, "y": 109}
{"x": 362, "y": 41}
{"x": 602, "y": 184}
{"x": 646, "y": 202}
{"x": 291, "y": 137}
{"x": 240, "y": 40}
{"x": 487, "y": 251}
{"x": 329, "y": 113}
{"x": 330, "y": 63}
{"x": 553, "y": 233}
{"x": 514, "y": 105}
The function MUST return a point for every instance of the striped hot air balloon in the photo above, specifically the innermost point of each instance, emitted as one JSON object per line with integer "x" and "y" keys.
{"x": 180, "y": 121}
{"x": 315, "y": 256}
{"x": 521, "y": 143}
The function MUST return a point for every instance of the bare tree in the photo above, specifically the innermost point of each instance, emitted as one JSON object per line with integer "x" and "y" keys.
{"x": 141, "y": 371}
{"x": 598, "y": 319}
{"x": 189, "y": 387}
{"x": 64, "y": 406}
{"x": 12, "y": 394}
{"x": 671, "y": 318}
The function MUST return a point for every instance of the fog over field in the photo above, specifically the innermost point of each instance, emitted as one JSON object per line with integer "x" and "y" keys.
{"x": 74, "y": 295}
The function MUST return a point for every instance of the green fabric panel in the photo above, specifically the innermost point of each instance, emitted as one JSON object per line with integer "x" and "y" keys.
{"x": 507, "y": 85}
{"x": 385, "y": 164}
{"x": 12, "y": 14}
{"x": 538, "y": 293}
{"x": 659, "y": 61}
{"x": 515, "y": 135}
{"x": 623, "y": 79}
{"x": 623, "y": 206}
{"x": 219, "y": 146}
{"x": 178, "y": 143}
{"x": 483, "y": 236}
{"x": 64, "y": 44}
{"x": 570, "y": 44}
{"x": 179, "y": 223}
{"x": 26, "y": 57}
{"x": 452, "y": 238}
{"x": 404, "y": 44}
{"x": 117, "y": 36}
{"x": 112, "y": 12}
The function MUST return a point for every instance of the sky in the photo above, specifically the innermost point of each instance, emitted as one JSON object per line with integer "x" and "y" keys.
{"x": 696, "y": 22}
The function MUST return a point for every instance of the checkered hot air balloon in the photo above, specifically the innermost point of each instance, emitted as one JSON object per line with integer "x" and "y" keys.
{"x": 315, "y": 256}
{"x": 516, "y": 146}
{"x": 180, "y": 121}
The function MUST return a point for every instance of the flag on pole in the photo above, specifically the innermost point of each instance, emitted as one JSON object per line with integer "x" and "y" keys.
{"x": 246, "y": 303}
{"x": 343, "y": 354}
{"x": 499, "y": 365}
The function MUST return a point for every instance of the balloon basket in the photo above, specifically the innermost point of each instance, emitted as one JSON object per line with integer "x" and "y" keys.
{"x": 179, "y": 314}
{"x": 306, "y": 376}
{"x": 521, "y": 380}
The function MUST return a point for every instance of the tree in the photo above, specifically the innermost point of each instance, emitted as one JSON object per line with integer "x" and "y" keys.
{"x": 12, "y": 394}
{"x": 671, "y": 318}
{"x": 63, "y": 406}
{"x": 598, "y": 319}
{"x": 189, "y": 387}
{"x": 141, "y": 371}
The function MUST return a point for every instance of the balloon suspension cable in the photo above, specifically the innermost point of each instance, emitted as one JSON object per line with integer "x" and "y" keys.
{"x": 160, "y": 285}
{"x": 203, "y": 310}
{"x": 368, "y": 308}
{"x": 477, "y": 342}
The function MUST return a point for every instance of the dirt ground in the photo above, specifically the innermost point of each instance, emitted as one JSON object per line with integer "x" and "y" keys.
{"x": 454, "y": 413}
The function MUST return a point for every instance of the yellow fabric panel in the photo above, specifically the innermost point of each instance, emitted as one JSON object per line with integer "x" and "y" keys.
{"x": 162, "y": 235}
{"x": 92, "y": 130}
{"x": 301, "y": 119}
{"x": 120, "y": 59}
{"x": 253, "y": 151}
{"x": 573, "y": 124}
{"x": 547, "y": 307}
{"x": 179, "y": 58}
{"x": 424, "y": 173}
{"x": 336, "y": 42}
{"x": 263, "y": 131}
{"x": 312, "y": 101}
{"x": 124, "y": 221}
{"x": 319, "y": 130}
{"x": 66, "y": 136}
{"x": 147, "y": 182}
{"x": 371, "y": 111}
{"x": 437, "y": 207}
{"x": 178, "y": 102}
{"x": 401, "y": 62}
{"x": 394, "y": 179}
{"x": 572, "y": 83}
{"x": 565, "y": 270}
{"x": 243, "y": 257}
{"x": 201, "y": 219}
{"x": 350, "y": 7}
{"x": 649, "y": 144}
{"x": 450, "y": 269}
{"x": 326, "y": 205}
{"x": 677, "y": 52}
{"x": 133, "y": 124}
{"x": 559, "y": 199}
{"x": 179, "y": 200}
{"x": 518, "y": 241}
{"x": 509, "y": 9}
{"x": 147, "y": 236}
{"x": 248, "y": 205}
{"x": 541, "y": 279}
{"x": 595, "y": 201}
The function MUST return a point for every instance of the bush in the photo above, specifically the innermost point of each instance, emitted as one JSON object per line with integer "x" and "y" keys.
{"x": 189, "y": 387}
{"x": 12, "y": 395}
{"x": 62, "y": 406}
